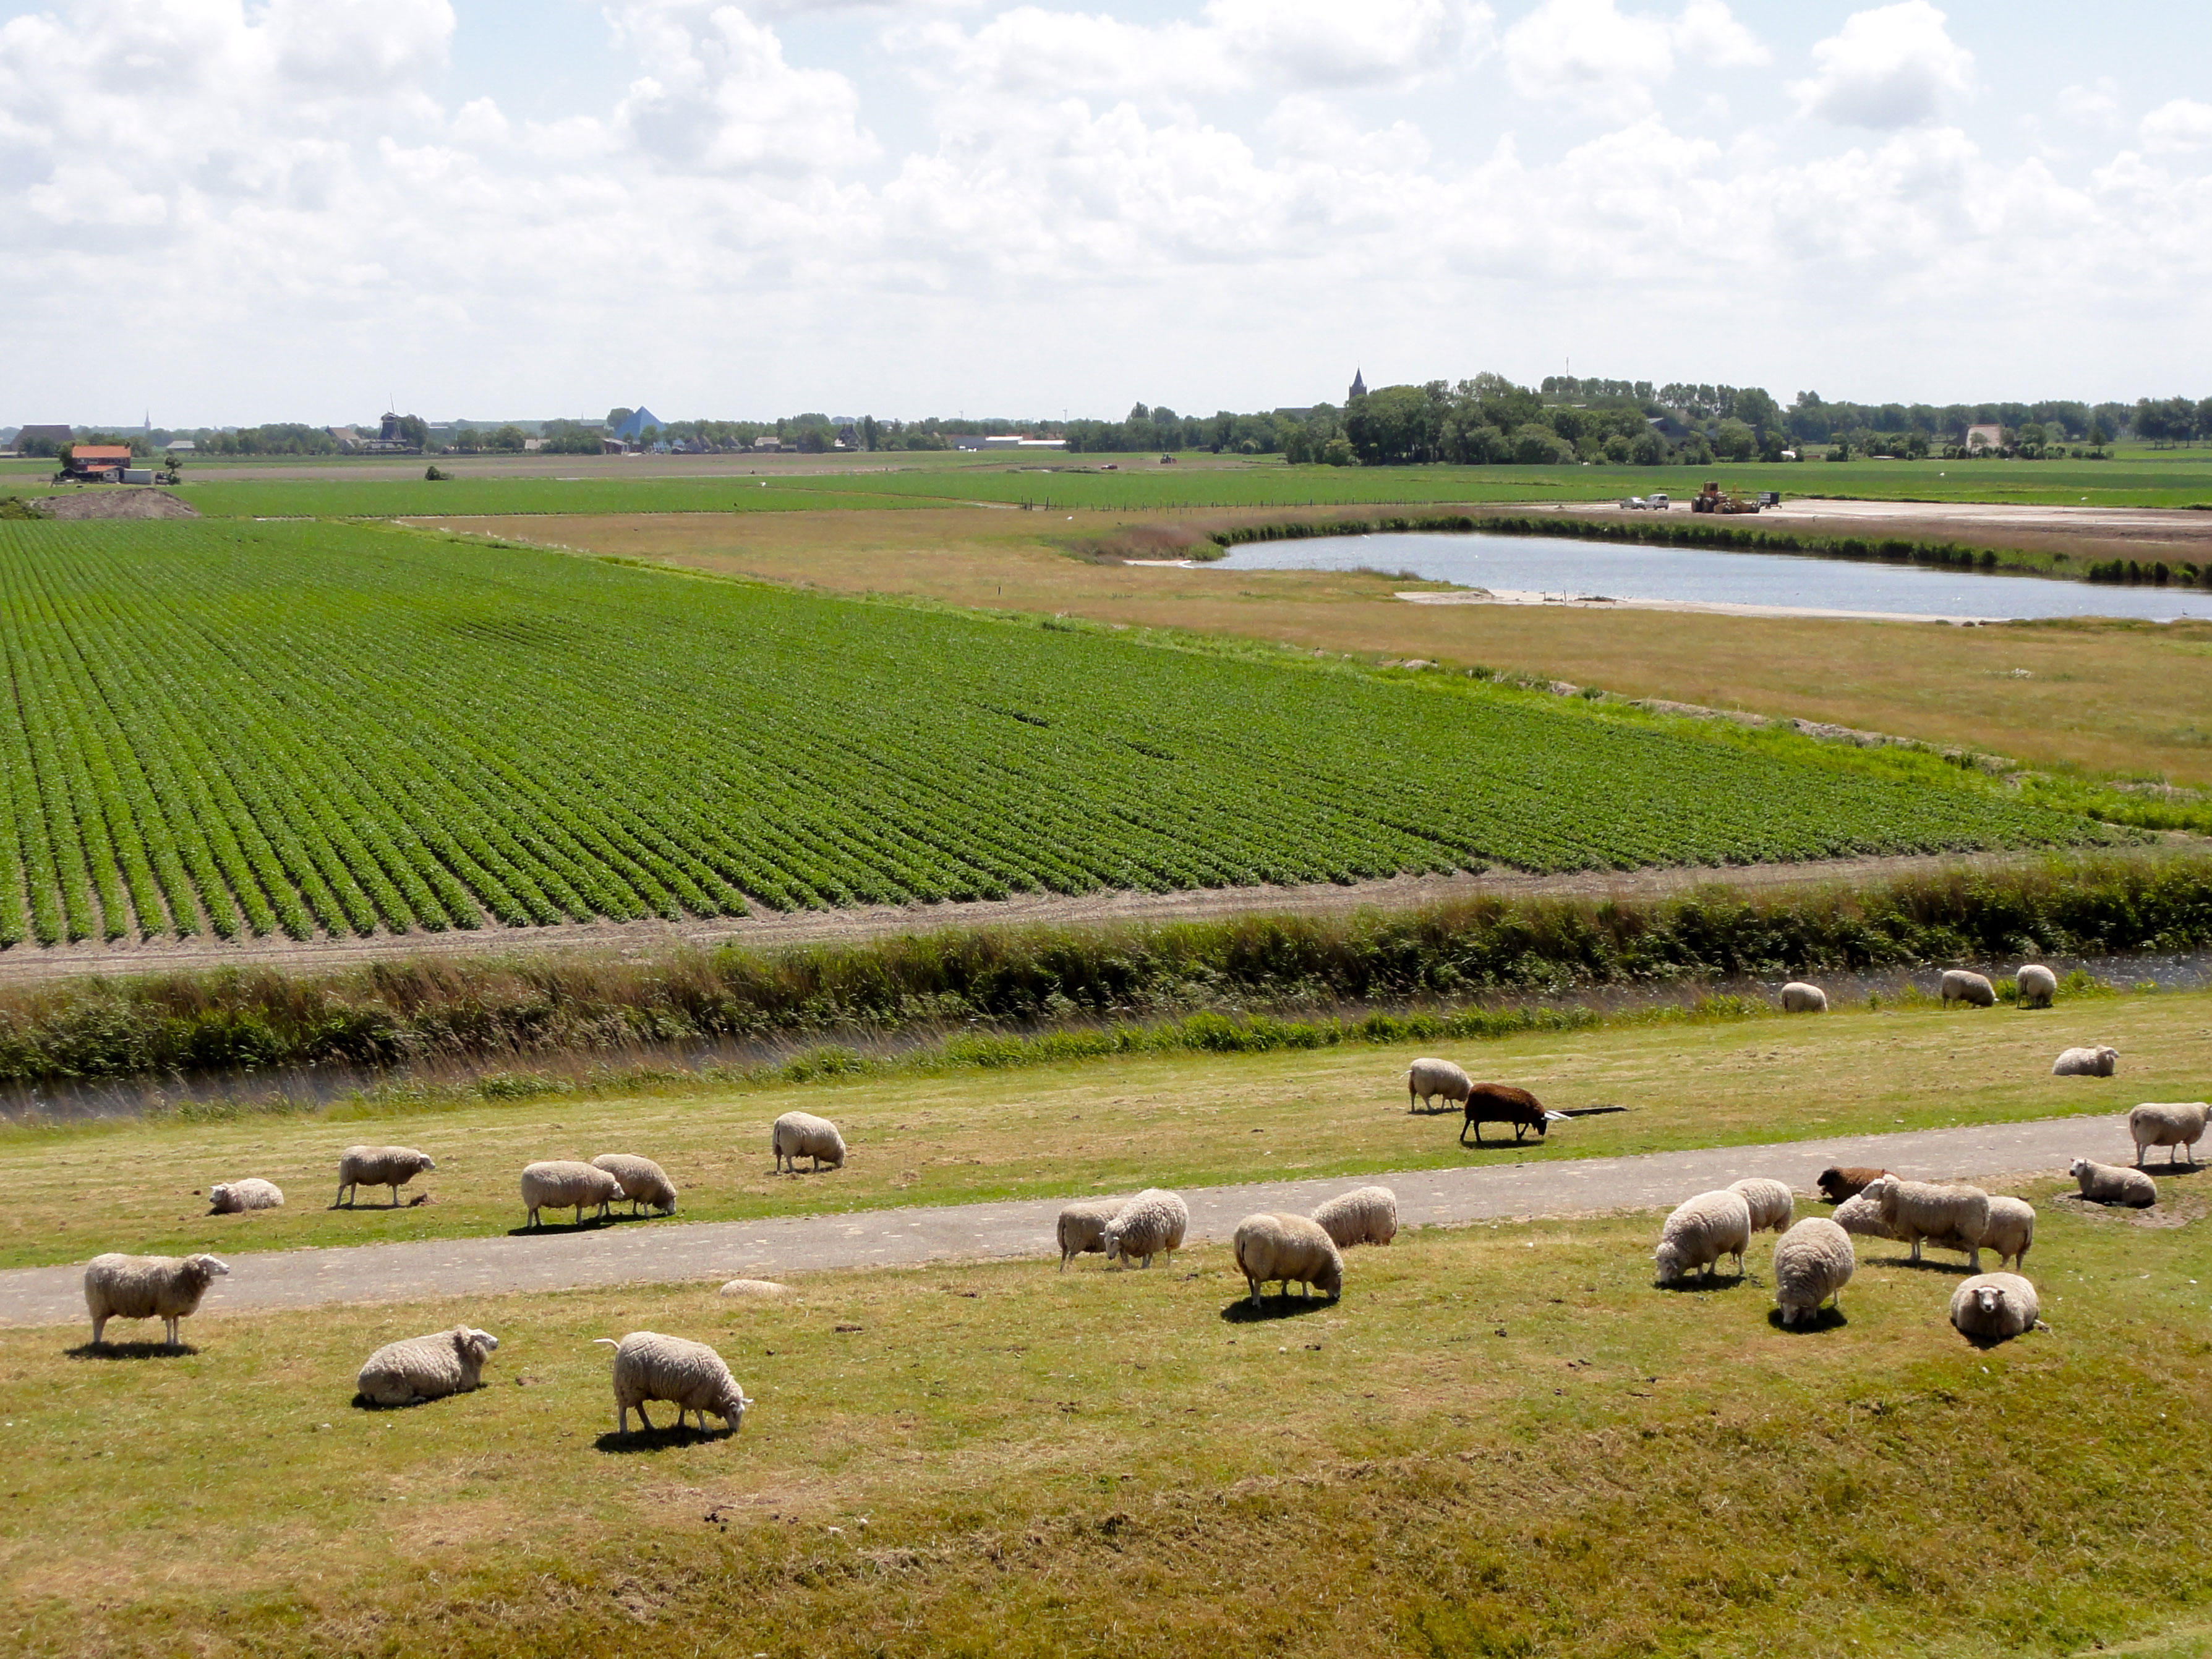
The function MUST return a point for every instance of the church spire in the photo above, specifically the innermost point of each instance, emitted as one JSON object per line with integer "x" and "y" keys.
{"x": 1358, "y": 385}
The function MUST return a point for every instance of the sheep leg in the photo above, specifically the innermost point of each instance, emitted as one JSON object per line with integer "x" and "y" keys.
{"x": 169, "y": 1332}
{"x": 1249, "y": 1279}
{"x": 643, "y": 1419}
{"x": 395, "y": 1194}
{"x": 99, "y": 1325}
{"x": 340, "y": 1199}
{"x": 622, "y": 1418}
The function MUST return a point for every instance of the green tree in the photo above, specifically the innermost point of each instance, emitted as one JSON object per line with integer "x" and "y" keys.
{"x": 1734, "y": 441}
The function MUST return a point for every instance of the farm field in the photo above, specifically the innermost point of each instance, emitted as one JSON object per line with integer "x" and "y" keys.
{"x": 1493, "y": 1425}
{"x": 1101, "y": 1125}
{"x": 2088, "y": 696}
{"x": 431, "y": 733}
{"x": 1139, "y": 483}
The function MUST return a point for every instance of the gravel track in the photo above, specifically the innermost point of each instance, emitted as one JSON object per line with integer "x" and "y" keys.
{"x": 673, "y": 1253}
{"x": 27, "y": 965}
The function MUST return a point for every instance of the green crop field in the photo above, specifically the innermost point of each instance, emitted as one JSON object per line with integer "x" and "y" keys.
{"x": 341, "y": 728}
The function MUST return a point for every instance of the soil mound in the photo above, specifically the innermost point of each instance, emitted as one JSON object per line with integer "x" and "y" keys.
{"x": 115, "y": 502}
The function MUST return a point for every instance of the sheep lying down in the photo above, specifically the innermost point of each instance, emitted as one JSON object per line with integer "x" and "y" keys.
{"x": 420, "y": 1368}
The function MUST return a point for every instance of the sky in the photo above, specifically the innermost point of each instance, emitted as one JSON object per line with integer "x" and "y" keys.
{"x": 222, "y": 213}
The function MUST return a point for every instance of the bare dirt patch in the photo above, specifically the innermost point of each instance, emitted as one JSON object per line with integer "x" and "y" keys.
{"x": 115, "y": 502}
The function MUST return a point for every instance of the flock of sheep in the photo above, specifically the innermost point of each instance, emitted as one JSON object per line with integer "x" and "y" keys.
{"x": 1813, "y": 1259}
{"x": 647, "y": 1365}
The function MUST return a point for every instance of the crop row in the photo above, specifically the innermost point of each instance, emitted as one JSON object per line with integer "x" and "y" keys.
{"x": 328, "y": 728}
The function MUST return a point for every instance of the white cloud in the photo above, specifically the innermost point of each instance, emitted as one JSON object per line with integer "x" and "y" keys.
{"x": 2182, "y": 126}
{"x": 2096, "y": 105}
{"x": 1080, "y": 208}
{"x": 718, "y": 94}
{"x": 1896, "y": 66}
{"x": 1597, "y": 60}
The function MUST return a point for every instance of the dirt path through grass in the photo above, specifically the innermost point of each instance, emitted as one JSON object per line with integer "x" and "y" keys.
{"x": 28, "y": 964}
{"x": 661, "y": 1253}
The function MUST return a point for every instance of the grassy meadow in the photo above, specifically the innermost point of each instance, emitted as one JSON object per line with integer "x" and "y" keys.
{"x": 1097, "y": 1127}
{"x": 317, "y": 487}
{"x": 1502, "y": 1440}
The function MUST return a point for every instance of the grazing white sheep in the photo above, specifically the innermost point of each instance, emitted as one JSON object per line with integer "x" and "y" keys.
{"x": 1994, "y": 1306}
{"x": 1772, "y": 1202}
{"x": 237, "y": 1197}
{"x": 1951, "y": 1217}
{"x": 2113, "y": 1183}
{"x": 563, "y": 1183}
{"x": 802, "y": 1134}
{"x": 1701, "y": 1231}
{"x": 1860, "y": 1214}
{"x": 2037, "y": 985}
{"x": 1082, "y": 1229}
{"x": 426, "y": 1367}
{"x": 2011, "y": 1230}
{"x": 690, "y": 1375}
{"x": 1813, "y": 1263}
{"x": 1959, "y": 986}
{"x": 1368, "y": 1216}
{"x": 1151, "y": 1224}
{"x": 2086, "y": 1062}
{"x": 378, "y": 1166}
{"x": 642, "y": 1181}
{"x": 1294, "y": 1249}
{"x": 2172, "y": 1124}
{"x": 1799, "y": 998}
{"x": 164, "y": 1287}
{"x": 1426, "y": 1079}
{"x": 757, "y": 1290}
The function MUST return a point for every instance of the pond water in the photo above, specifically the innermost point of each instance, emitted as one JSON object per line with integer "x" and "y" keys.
{"x": 1560, "y": 568}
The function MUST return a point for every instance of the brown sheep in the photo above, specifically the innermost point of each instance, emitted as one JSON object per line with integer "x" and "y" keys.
{"x": 1836, "y": 1185}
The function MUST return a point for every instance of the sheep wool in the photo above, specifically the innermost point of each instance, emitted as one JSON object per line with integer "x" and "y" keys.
{"x": 1813, "y": 1263}
{"x": 1294, "y": 1249}
{"x": 1799, "y": 998}
{"x": 690, "y": 1375}
{"x": 1151, "y": 1224}
{"x": 1369, "y": 1215}
{"x": 565, "y": 1184}
{"x": 2011, "y": 1230}
{"x": 2172, "y": 1124}
{"x": 643, "y": 1182}
{"x": 1701, "y": 1231}
{"x": 1837, "y": 1184}
{"x": 1772, "y": 1202}
{"x": 237, "y": 1197}
{"x": 2113, "y": 1183}
{"x": 1860, "y": 1214}
{"x": 164, "y": 1287}
{"x": 802, "y": 1134}
{"x": 1426, "y": 1079}
{"x": 1918, "y": 1211}
{"x": 378, "y": 1166}
{"x": 1082, "y": 1229}
{"x": 2037, "y": 985}
{"x": 422, "y": 1367}
{"x": 1992, "y": 1307}
{"x": 1959, "y": 986}
{"x": 2086, "y": 1062}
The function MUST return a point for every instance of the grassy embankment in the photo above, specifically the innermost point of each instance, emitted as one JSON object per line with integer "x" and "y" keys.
{"x": 1104, "y": 1126}
{"x": 1501, "y": 1441}
{"x": 2089, "y": 697}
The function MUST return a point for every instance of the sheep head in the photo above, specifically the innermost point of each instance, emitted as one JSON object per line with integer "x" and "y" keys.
{"x": 2079, "y": 1168}
{"x": 732, "y": 1407}
{"x": 1670, "y": 1261}
{"x": 1987, "y": 1298}
{"x": 477, "y": 1339}
{"x": 207, "y": 1266}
